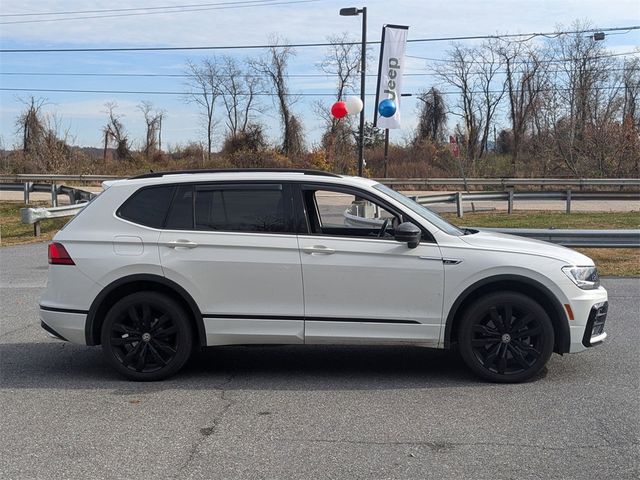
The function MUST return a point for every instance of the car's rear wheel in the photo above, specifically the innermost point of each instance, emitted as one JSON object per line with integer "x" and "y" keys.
{"x": 506, "y": 337}
{"x": 146, "y": 336}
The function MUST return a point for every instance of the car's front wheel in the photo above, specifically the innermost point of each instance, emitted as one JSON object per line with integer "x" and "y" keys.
{"x": 146, "y": 336}
{"x": 505, "y": 337}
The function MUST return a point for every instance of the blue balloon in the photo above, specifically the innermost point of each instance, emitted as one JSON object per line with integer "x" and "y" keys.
{"x": 387, "y": 108}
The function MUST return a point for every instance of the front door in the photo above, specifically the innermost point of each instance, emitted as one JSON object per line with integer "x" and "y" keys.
{"x": 360, "y": 285}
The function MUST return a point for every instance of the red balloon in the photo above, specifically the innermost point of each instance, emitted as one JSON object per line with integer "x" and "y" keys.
{"x": 339, "y": 109}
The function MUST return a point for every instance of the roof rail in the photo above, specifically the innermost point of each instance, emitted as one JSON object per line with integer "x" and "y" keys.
{"x": 229, "y": 170}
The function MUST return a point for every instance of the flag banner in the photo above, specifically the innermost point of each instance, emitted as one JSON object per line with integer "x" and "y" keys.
{"x": 391, "y": 67}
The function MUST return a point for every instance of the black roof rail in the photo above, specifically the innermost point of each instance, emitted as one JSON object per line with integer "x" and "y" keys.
{"x": 229, "y": 170}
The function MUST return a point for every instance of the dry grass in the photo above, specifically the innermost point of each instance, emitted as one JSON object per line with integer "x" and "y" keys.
{"x": 546, "y": 219}
{"x": 14, "y": 232}
{"x": 615, "y": 262}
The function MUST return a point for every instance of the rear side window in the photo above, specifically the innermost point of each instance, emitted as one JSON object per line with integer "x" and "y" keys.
{"x": 148, "y": 206}
{"x": 259, "y": 208}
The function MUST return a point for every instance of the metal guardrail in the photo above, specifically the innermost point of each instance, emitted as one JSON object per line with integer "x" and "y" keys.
{"x": 513, "y": 182}
{"x": 566, "y": 237}
{"x": 54, "y": 178}
{"x": 576, "y": 238}
{"x": 35, "y": 215}
{"x": 425, "y": 182}
{"x": 75, "y": 195}
{"x": 567, "y": 196}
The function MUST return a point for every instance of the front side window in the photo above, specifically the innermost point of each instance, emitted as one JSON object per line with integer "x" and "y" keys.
{"x": 421, "y": 210}
{"x": 341, "y": 213}
{"x": 242, "y": 209}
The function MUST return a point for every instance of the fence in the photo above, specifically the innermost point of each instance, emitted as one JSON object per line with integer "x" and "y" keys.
{"x": 585, "y": 238}
{"x": 566, "y": 237}
{"x": 503, "y": 183}
{"x": 35, "y": 215}
{"x": 75, "y": 195}
{"x": 510, "y": 196}
{"x": 569, "y": 238}
{"x": 506, "y": 183}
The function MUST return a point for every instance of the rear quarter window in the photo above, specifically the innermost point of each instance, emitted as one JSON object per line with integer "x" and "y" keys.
{"x": 147, "y": 206}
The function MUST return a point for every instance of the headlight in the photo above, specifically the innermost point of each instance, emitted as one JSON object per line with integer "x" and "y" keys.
{"x": 584, "y": 277}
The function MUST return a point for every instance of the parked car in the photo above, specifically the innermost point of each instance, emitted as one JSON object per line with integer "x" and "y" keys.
{"x": 164, "y": 263}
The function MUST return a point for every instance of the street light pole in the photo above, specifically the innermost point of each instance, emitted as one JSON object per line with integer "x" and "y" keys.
{"x": 363, "y": 76}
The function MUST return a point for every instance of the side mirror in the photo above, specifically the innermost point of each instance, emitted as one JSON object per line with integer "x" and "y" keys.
{"x": 409, "y": 233}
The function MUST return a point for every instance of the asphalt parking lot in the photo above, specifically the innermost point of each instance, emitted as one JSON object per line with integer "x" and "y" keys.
{"x": 310, "y": 412}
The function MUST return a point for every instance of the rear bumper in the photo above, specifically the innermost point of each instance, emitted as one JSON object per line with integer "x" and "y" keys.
{"x": 64, "y": 324}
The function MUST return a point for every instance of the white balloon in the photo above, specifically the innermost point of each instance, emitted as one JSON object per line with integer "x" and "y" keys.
{"x": 354, "y": 105}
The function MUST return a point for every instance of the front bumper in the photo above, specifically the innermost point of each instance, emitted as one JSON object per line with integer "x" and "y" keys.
{"x": 594, "y": 333}
{"x": 587, "y": 328}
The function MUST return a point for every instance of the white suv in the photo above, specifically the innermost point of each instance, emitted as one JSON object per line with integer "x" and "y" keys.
{"x": 163, "y": 263}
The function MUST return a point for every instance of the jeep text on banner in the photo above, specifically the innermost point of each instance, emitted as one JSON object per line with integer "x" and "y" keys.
{"x": 392, "y": 48}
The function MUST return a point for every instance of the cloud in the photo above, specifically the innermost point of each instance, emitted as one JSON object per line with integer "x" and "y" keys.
{"x": 299, "y": 23}
{"x": 303, "y": 22}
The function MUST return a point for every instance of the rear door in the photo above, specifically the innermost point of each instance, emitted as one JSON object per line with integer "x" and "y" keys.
{"x": 234, "y": 248}
{"x": 360, "y": 285}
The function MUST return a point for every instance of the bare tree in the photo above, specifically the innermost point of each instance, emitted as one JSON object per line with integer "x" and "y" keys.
{"x": 525, "y": 81}
{"x": 204, "y": 90}
{"x": 489, "y": 65}
{"x": 153, "y": 122}
{"x": 583, "y": 67}
{"x": 238, "y": 90}
{"x": 432, "y": 116}
{"x": 31, "y": 125}
{"x": 274, "y": 67}
{"x": 341, "y": 61}
{"x": 631, "y": 112}
{"x": 459, "y": 72}
{"x": 631, "y": 79}
{"x": 160, "y": 116}
{"x": 115, "y": 133}
{"x": 44, "y": 139}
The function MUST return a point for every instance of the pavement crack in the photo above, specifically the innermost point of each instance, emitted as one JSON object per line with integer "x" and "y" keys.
{"x": 209, "y": 431}
{"x": 441, "y": 446}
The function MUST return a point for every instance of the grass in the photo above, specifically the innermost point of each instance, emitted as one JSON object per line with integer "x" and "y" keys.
{"x": 14, "y": 232}
{"x": 537, "y": 219}
{"x": 610, "y": 261}
{"x": 615, "y": 262}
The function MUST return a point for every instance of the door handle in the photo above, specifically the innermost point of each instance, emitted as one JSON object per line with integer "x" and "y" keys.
{"x": 319, "y": 249}
{"x": 182, "y": 243}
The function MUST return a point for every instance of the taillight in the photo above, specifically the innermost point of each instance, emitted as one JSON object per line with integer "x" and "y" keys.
{"x": 58, "y": 255}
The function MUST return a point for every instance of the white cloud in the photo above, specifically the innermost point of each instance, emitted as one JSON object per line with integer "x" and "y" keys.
{"x": 306, "y": 22}
{"x": 301, "y": 23}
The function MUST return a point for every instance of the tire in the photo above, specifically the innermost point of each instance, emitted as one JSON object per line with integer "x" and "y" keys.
{"x": 146, "y": 336}
{"x": 505, "y": 353}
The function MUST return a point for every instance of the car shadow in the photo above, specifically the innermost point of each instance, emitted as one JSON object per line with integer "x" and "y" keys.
{"x": 60, "y": 365}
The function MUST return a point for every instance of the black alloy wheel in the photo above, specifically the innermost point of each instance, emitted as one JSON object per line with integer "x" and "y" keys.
{"x": 147, "y": 336}
{"x": 506, "y": 337}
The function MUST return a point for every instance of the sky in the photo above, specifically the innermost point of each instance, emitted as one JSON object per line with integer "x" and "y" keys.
{"x": 247, "y": 23}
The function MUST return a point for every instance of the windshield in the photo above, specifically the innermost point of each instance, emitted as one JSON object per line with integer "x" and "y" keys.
{"x": 424, "y": 212}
